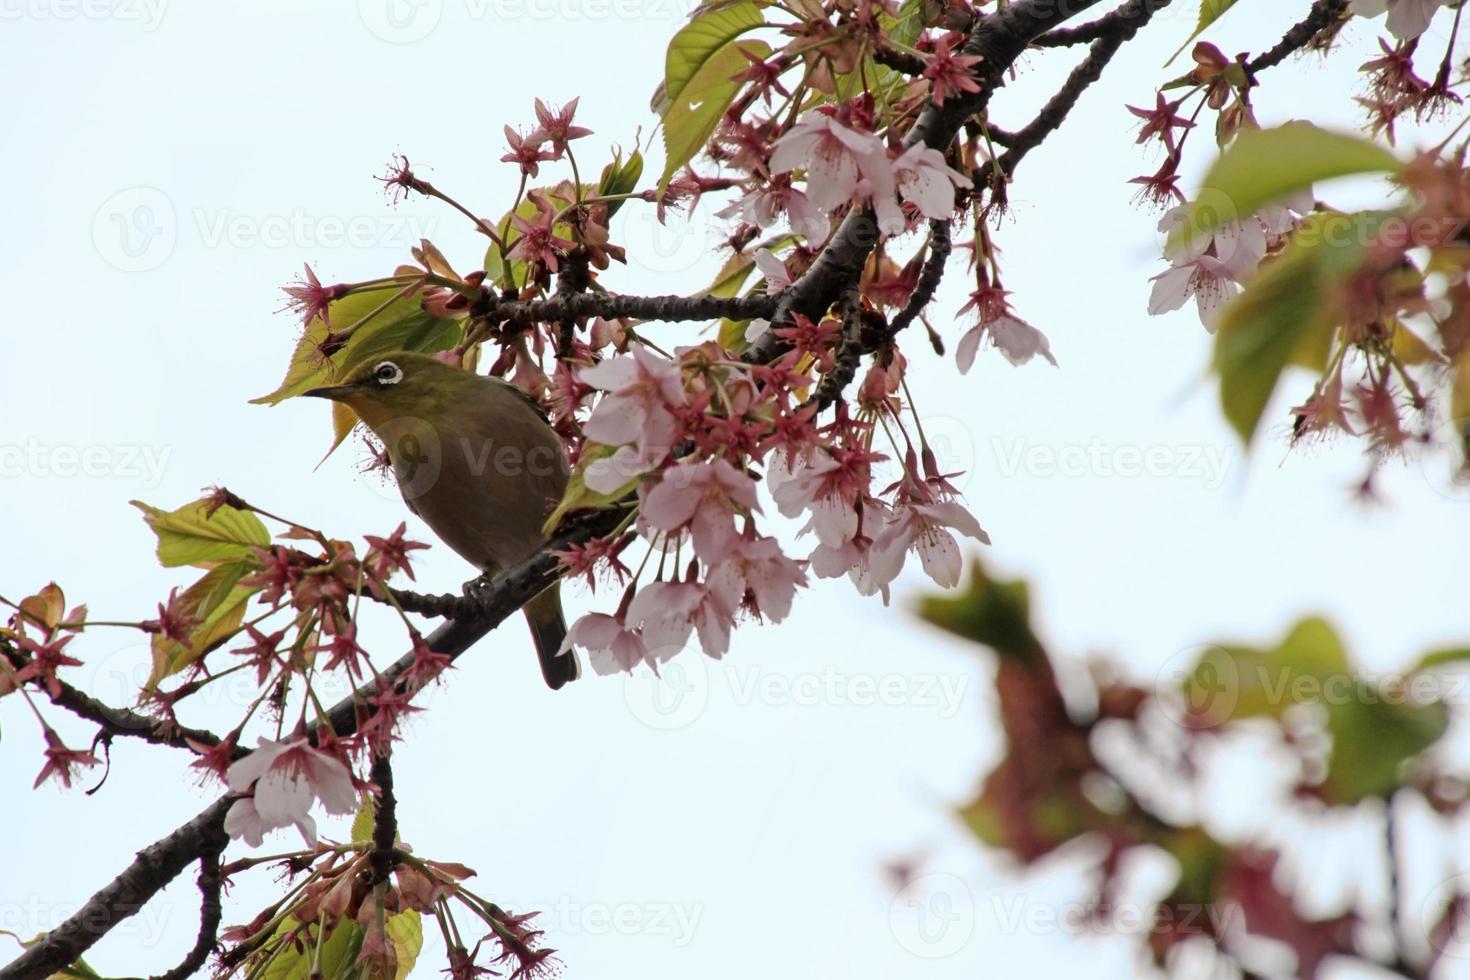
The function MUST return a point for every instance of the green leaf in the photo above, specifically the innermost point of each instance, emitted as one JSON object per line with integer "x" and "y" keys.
{"x": 691, "y": 118}
{"x": 1264, "y": 166}
{"x": 190, "y": 536}
{"x": 1230, "y": 683}
{"x": 338, "y": 952}
{"x": 620, "y": 177}
{"x": 578, "y": 495}
{"x": 996, "y": 614}
{"x": 362, "y": 824}
{"x": 218, "y": 602}
{"x": 401, "y": 325}
{"x": 1443, "y": 658}
{"x": 406, "y": 932}
{"x": 699, "y": 41}
{"x": 1284, "y": 315}
{"x": 1209, "y": 12}
{"x": 1372, "y": 737}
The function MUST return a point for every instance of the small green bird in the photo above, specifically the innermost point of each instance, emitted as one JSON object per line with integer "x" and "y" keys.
{"x": 476, "y": 459}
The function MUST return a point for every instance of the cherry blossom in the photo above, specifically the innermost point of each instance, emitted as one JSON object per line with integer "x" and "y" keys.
{"x": 670, "y": 611}
{"x": 761, "y": 207}
{"x": 1017, "y": 341}
{"x": 757, "y": 575}
{"x": 1407, "y": 19}
{"x": 924, "y": 526}
{"x": 927, "y": 182}
{"x": 288, "y": 778}
{"x": 610, "y": 643}
{"x": 642, "y": 390}
{"x": 835, "y": 157}
{"x": 704, "y": 497}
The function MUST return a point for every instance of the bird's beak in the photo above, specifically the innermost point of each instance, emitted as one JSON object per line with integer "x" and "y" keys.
{"x": 335, "y": 392}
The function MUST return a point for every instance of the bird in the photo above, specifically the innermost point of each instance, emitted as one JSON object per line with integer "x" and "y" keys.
{"x": 475, "y": 457}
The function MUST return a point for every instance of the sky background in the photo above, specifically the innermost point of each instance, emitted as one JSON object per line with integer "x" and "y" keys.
{"x": 170, "y": 166}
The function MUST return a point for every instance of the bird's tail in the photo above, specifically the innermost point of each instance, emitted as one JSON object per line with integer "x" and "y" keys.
{"x": 548, "y": 631}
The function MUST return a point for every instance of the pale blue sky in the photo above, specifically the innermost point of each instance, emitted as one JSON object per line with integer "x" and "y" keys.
{"x": 171, "y": 164}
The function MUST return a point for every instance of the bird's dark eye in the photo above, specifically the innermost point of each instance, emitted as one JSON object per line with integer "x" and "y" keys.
{"x": 388, "y": 373}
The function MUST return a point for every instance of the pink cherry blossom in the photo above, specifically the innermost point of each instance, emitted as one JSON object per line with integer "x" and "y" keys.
{"x": 670, "y": 611}
{"x": 642, "y": 391}
{"x": 777, "y": 277}
{"x": 757, "y": 575}
{"x": 288, "y": 778}
{"x": 704, "y": 497}
{"x": 924, "y": 526}
{"x": 761, "y": 206}
{"x": 610, "y": 643}
{"x": 835, "y": 157}
{"x": 1407, "y": 19}
{"x": 1017, "y": 341}
{"x": 926, "y": 181}
{"x": 825, "y": 484}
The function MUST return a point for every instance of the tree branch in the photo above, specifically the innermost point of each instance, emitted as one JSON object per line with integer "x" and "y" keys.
{"x": 1322, "y": 16}
{"x": 1113, "y": 30}
{"x": 999, "y": 40}
{"x": 211, "y": 911}
{"x": 114, "y": 721}
{"x": 165, "y": 860}
{"x": 670, "y": 309}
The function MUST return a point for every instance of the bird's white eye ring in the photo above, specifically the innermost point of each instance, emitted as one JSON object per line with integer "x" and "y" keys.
{"x": 388, "y": 373}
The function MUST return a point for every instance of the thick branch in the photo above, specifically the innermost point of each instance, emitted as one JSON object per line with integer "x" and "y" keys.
{"x": 154, "y": 867}
{"x": 385, "y": 820}
{"x": 612, "y": 306}
{"x": 211, "y": 911}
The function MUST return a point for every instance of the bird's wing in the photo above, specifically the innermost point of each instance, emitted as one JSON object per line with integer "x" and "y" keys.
{"x": 521, "y": 393}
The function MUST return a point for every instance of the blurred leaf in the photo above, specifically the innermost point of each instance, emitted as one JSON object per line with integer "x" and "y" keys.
{"x": 1265, "y": 166}
{"x": 1373, "y": 735}
{"x": 188, "y": 536}
{"x": 691, "y": 118}
{"x": 218, "y": 602}
{"x": 1442, "y": 658}
{"x": 402, "y": 325}
{"x": 996, "y": 614}
{"x": 1284, "y": 315}
{"x": 1374, "y": 729}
